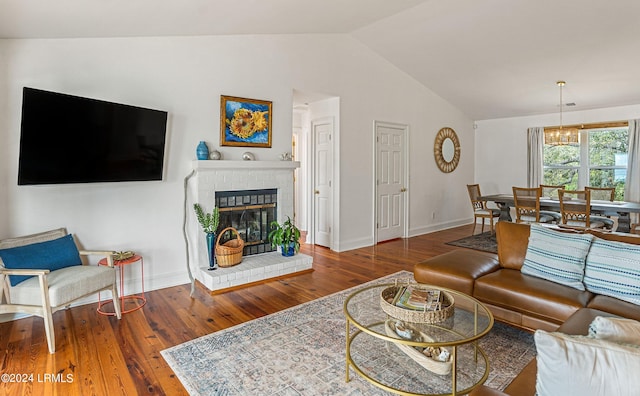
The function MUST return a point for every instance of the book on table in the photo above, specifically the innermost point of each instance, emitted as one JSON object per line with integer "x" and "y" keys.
{"x": 418, "y": 299}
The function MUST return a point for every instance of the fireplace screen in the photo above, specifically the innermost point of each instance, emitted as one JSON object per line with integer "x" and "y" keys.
{"x": 250, "y": 212}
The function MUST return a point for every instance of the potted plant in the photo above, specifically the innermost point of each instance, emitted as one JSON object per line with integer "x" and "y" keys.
{"x": 209, "y": 223}
{"x": 285, "y": 235}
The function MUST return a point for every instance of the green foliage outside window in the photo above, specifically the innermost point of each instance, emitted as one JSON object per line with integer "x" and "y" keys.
{"x": 605, "y": 166}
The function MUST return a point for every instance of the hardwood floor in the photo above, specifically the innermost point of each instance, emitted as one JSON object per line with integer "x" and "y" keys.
{"x": 99, "y": 355}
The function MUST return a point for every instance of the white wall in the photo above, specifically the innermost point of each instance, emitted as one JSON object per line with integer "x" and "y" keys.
{"x": 501, "y": 144}
{"x": 4, "y": 149}
{"x": 186, "y": 76}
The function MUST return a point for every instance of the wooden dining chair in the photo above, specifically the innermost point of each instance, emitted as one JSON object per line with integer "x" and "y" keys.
{"x": 603, "y": 194}
{"x": 527, "y": 204}
{"x": 480, "y": 209}
{"x": 575, "y": 208}
{"x": 551, "y": 192}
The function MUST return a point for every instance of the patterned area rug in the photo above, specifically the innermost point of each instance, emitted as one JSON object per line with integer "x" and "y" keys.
{"x": 301, "y": 351}
{"x": 484, "y": 242}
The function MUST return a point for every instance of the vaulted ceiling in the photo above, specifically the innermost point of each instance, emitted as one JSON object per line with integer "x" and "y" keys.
{"x": 489, "y": 58}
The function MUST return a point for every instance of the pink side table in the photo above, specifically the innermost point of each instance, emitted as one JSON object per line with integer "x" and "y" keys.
{"x": 139, "y": 298}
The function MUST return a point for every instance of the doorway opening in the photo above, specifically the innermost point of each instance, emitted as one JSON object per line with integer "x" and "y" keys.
{"x": 316, "y": 128}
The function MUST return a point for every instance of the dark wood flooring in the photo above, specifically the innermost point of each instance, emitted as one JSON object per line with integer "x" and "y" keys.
{"x": 99, "y": 355}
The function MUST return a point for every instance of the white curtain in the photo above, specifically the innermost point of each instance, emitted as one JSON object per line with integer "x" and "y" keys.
{"x": 632, "y": 184}
{"x": 535, "y": 145}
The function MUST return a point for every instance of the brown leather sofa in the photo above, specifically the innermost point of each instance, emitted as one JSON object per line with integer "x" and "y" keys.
{"x": 521, "y": 300}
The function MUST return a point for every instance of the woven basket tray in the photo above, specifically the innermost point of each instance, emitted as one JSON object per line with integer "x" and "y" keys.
{"x": 409, "y": 315}
{"x": 229, "y": 253}
{"x": 432, "y": 364}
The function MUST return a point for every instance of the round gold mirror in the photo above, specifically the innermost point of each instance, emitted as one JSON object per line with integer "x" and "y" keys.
{"x": 446, "y": 150}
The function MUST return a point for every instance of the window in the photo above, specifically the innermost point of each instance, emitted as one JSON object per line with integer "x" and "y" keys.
{"x": 598, "y": 160}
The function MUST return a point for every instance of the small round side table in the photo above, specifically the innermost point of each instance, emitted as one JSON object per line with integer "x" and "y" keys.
{"x": 139, "y": 298}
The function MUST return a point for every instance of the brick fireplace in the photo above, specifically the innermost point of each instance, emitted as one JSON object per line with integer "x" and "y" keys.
{"x": 246, "y": 181}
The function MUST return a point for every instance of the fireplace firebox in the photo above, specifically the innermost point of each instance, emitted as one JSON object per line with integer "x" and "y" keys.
{"x": 250, "y": 212}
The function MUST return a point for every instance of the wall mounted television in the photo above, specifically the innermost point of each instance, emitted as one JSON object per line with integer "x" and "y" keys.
{"x": 71, "y": 139}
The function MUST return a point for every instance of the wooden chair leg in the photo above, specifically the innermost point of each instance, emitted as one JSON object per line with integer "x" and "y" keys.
{"x": 116, "y": 303}
{"x": 47, "y": 314}
{"x": 475, "y": 222}
{"x": 482, "y": 231}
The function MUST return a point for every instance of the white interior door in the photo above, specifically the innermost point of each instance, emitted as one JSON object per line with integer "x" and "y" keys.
{"x": 391, "y": 181}
{"x": 322, "y": 131}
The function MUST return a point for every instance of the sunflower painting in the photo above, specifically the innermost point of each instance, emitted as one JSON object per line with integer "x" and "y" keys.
{"x": 245, "y": 122}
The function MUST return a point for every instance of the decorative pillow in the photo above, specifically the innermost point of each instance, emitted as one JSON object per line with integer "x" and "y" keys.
{"x": 613, "y": 269}
{"x": 616, "y": 330}
{"x": 579, "y": 365}
{"x": 52, "y": 255}
{"x": 556, "y": 256}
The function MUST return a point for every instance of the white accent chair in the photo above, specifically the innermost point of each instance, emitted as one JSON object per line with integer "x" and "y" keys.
{"x": 46, "y": 292}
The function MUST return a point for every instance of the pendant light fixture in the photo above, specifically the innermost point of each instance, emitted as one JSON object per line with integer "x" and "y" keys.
{"x": 561, "y": 136}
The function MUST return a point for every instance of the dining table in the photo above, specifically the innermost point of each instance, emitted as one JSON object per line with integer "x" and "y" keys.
{"x": 622, "y": 209}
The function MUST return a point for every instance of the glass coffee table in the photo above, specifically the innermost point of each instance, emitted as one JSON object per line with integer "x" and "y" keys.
{"x": 387, "y": 360}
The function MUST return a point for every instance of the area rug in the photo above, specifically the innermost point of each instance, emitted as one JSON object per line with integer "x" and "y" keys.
{"x": 301, "y": 351}
{"x": 484, "y": 242}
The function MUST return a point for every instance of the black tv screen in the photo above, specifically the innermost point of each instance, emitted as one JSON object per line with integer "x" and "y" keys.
{"x": 71, "y": 139}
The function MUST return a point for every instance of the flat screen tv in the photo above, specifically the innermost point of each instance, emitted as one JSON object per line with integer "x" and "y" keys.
{"x": 71, "y": 139}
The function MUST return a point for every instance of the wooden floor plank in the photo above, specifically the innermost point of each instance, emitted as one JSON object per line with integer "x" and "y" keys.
{"x": 110, "y": 357}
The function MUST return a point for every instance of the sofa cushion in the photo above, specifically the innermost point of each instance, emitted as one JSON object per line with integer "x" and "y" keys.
{"x": 52, "y": 255}
{"x": 557, "y": 256}
{"x": 621, "y": 330}
{"x": 615, "y": 306}
{"x": 512, "y": 241}
{"x": 613, "y": 269}
{"x": 594, "y": 367}
{"x": 535, "y": 297}
{"x": 456, "y": 270}
{"x": 579, "y": 322}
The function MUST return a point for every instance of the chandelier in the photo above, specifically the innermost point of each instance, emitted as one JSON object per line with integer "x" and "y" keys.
{"x": 559, "y": 136}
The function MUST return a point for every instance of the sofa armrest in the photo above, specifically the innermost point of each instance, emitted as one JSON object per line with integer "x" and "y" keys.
{"x": 456, "y": 270}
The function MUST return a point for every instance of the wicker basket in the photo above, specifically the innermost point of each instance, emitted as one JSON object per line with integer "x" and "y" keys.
{"x": 409, "y": 315}
{"x": 434, "y": 365}
{"x": 229, "y": 253}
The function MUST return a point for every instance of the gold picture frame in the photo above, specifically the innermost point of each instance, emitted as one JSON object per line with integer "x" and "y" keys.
{"x": 245, "y": 122}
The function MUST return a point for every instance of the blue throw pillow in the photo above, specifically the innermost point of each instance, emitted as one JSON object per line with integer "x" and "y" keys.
{"x": 52, "y": 255}
{"x": 613, "y": 269}
{"x": 557, "y": 256}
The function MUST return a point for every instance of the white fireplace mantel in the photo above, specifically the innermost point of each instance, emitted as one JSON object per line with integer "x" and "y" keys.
{"x": 224, "y": 164}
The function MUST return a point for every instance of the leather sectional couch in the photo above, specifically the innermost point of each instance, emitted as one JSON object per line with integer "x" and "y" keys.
{"x": 519, "y": 299}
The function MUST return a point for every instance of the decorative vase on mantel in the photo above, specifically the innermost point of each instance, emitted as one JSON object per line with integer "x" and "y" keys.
{"x": 202, "y": 151}
{"x": 211, "y": 250}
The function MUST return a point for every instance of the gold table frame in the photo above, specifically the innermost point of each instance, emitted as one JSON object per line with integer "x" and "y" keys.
{"x": 366, "y": 329}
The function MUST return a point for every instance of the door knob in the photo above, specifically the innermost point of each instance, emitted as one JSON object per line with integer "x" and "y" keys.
{"x": 316, "y": 192}
{"x": 403, "y": 189}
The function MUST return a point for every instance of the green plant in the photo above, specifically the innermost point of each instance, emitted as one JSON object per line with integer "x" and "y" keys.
{"x": 208, "y": 221}
{"x": 285, "y": 234}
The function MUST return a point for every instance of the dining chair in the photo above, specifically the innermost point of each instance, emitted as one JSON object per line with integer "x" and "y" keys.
{"x": 575, "y": 207}
{"x": 527, "y": 204}
{"x": 603, "y": 194}
{"x": 551, "y": 192}
{"x": 480, "y": 209}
